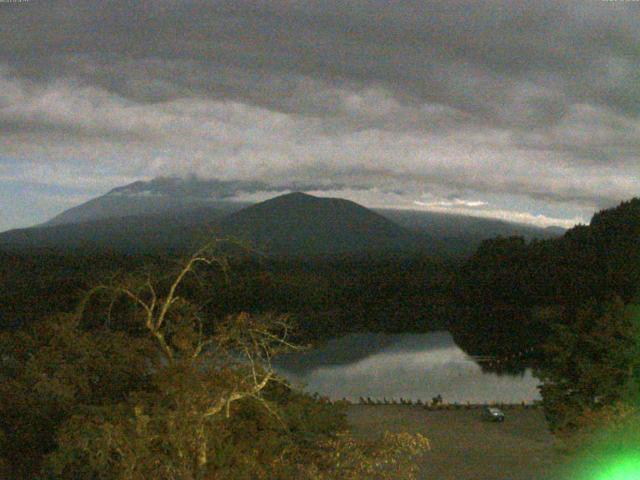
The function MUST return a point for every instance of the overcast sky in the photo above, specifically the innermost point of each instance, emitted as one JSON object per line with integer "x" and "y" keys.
{"x": 520, "y": 110}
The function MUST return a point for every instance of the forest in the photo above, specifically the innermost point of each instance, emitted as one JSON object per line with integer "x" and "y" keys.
{"x": 509, "y": 287}
{"x": 76, "y": 325}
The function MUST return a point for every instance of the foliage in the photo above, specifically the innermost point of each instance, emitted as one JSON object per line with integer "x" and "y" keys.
{"x": 141, "y": 383}
{"x": 504, "y": 286}
{"x": 325, "y": 296}
{"x": 604, "y": 444}
{"x": 53, "y": 368}
{"x": 613, "y": 419}
{"x": 99, "y": 393}
{"x": 591, "y": 362}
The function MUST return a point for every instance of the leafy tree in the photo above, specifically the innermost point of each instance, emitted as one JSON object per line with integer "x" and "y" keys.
{"x": 168, "y": 430}
{"x": 48, "y": 371}
{"x": 591, "y": 362}
{"x": 496, "y": 273}
{"x": 158, "y": 390}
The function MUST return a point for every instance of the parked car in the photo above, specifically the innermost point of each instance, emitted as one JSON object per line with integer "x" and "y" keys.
{"x": 493, "y": 414}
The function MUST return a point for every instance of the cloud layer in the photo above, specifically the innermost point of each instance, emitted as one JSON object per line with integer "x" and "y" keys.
{"x": 524, "y": 107}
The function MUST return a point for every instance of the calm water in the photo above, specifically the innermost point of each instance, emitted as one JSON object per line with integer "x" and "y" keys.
{"x": 411, "y": 366}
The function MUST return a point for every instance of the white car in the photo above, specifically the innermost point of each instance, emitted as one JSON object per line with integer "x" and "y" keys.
{"x": 493, "y": 414}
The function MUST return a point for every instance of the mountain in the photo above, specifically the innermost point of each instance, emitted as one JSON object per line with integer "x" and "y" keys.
{"x": 169, "y": 195}
{"x": 157, "y": 197}
{"x": 112, "y": 206}
{"x": 460, "y": 235}
{"x": 292, "y": 224}
{"x": 301, "y": 224}
{"x": 170, "y": 231}
{"x": 450, "y": 226}
{"x": 176, "y": 214}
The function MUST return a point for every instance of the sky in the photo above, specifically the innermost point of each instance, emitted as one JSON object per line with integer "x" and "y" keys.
{"x": 526, "y": 111}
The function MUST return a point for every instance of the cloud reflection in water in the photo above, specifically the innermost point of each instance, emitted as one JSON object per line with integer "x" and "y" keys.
{"x": 411, "y": 366}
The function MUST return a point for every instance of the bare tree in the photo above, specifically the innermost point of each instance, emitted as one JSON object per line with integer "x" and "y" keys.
{"x": 231, "y": 364}
{"x": 206, "y": 384}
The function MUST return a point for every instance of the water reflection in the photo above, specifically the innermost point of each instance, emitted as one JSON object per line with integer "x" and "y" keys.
{"x": 411, "y": 366}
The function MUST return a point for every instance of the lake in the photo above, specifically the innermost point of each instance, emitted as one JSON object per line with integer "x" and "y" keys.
{"x": 411, "y": 366}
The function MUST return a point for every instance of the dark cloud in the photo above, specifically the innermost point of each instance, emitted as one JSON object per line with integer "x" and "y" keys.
{"x": 192, "y": 186}
{"x": 539, "y": 99}
{"x": 455, "y": 52}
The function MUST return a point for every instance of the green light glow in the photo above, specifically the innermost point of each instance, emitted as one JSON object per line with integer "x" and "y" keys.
{"x": 624, "y": 469}
{"x": 620, "y": 468}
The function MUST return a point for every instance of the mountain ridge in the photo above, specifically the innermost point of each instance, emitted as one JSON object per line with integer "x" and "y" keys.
{"x": 166, "y": 194}
{"x": 302, "y": 223}
{"x": 295, "y": 224}
{"x": 172, "y": 214}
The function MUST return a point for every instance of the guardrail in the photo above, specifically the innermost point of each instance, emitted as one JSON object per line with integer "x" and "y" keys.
{"x": 440, "y": 405}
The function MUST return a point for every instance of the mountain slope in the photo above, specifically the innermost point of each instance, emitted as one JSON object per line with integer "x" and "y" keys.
{"x": 172, "y": 214}
{"x": 449, "y": 225}
{"x": 300, "y": 224}
{"x": 293, "y": 224}
{"x": 111, "y": 206}
{"x": 156, "y": 197}
{"x": 170, "y": 231}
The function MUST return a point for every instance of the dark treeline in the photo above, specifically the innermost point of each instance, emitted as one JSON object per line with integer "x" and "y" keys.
{"x": 39, "y": 283}
{"x": 501, "y": 301}
{"x": 329, "y": 297}
{"x": 511, "y": 292}
{"x": 325, "y": 297}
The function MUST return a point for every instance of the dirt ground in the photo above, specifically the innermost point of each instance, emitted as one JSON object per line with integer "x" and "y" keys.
{"x": 464, "y": 446}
